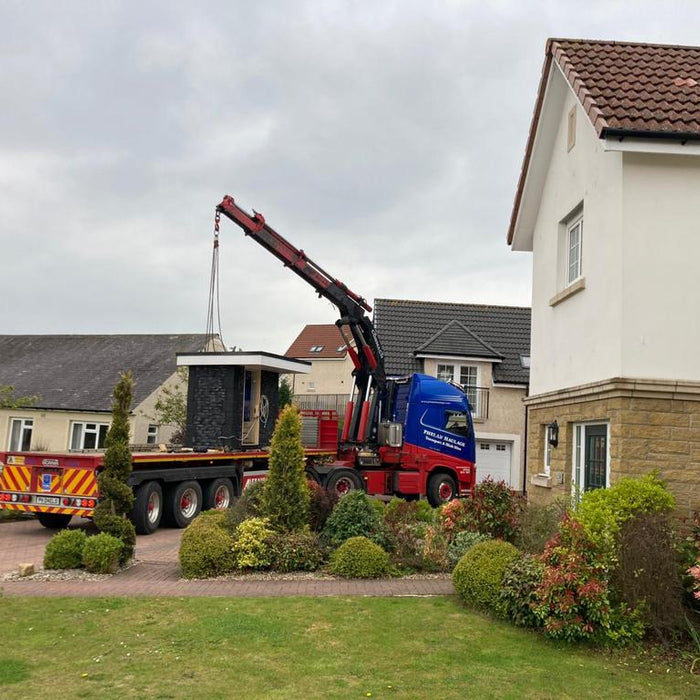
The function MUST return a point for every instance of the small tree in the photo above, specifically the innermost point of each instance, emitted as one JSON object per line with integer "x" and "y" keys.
{"x": 116, "y": 496}
{"x": 9, "y": 400}
{"x": 286, "y": 493}
{"x": 285, "y": 395}
{"x": 171, "y": 406}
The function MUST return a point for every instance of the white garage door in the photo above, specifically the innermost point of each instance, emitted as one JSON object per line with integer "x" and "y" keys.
{"x": 493, "y": 459}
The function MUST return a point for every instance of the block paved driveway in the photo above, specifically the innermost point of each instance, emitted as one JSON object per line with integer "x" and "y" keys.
{"x": 157, "y": 573}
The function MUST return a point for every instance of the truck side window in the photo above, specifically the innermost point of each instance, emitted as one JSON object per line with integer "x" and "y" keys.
{"x": 456, "y": 422}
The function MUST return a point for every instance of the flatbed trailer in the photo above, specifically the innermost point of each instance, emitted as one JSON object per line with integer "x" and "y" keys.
{"x": 169, "y": 486}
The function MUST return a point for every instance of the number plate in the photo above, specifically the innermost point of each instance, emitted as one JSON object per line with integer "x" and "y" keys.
{"x": 48, "y": 501}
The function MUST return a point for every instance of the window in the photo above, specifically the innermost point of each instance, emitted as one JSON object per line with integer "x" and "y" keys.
{"x": 317, "y": 348}
{"x": 547, "y": 452}
{"x": 574, "y": 242}
{"x": 152, "y": 435}
{"x": 456, "y": 422}
{"x": 465, "y": 375}
{"x": 484, "y": 446}
{"x": 525, "y": 361}
{"x": 20, "y": 434}
{"x": 88, "y": 436}
{"x": 446, "y": 373}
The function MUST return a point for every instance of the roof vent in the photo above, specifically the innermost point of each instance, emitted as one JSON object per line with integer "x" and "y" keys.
{"x": 685, "y": 82}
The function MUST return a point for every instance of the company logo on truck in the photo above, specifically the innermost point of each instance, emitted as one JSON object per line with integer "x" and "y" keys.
{"x": 437, "y": 437}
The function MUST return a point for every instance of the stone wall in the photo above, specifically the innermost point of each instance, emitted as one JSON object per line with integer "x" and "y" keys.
{"x": 653, "y": 426}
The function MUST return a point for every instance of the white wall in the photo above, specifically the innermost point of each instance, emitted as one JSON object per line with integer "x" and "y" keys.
{"x": 661, "y": 267}
{"x": 578, "y": 340}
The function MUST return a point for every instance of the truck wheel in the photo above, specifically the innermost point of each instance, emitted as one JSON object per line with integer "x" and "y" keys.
{"x": 182, "y": 503}
{"x": 441, "y": 489}
{"x": 218, "y": 494}
{"x": 54, "y": 521}
{"x": 148, "y": 508}
{"x": 342, "y": 481}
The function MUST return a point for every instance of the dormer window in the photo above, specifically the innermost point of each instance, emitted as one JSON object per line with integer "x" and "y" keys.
{"x": 317, "y": 348}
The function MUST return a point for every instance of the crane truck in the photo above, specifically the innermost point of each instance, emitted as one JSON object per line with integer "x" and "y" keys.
{"x": 408, "y": 436}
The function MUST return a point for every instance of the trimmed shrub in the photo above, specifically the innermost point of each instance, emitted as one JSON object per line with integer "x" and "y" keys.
{"x": 65, "y": 550}
{"x": 517, "y": 598}
{"x": 574, "y": 601}
{"x": 478, "y": 575}
{"x": 359, "y": 557}
{"x": 251, "y": 548}
{"x": 206, "y": 547}
{"x": 539, "y": 523}
{"x": 603, "y": 511}
{"x": 321, "y": 505}
{"x": 295, "y": 551}
{"x": 285, "y": 497}
{"x": 248, "y": 505}
{"x": 648, "y": 574}
{"x": 354, "y": 516}
{"x": 462, "y": 543}
{"x": 101, "y": 553}
{"x": 493, "y": 510}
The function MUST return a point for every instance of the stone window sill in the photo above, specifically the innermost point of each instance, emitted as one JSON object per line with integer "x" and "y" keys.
{"x": 574, "y": 288}
{"x": 542, "y": 480}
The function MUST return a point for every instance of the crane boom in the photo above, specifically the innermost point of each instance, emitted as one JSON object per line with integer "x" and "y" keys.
{"x": 369, "y": 374}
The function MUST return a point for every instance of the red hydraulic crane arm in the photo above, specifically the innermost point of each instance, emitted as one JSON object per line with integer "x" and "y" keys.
{"x": 327, "y": 286}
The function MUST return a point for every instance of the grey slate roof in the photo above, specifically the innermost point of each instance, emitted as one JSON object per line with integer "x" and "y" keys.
{"x": 78, "y": 372}
{"x": 406, "y": 327}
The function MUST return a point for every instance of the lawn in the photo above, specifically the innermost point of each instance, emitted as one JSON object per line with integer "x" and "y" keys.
{"x": 299, "y": 648}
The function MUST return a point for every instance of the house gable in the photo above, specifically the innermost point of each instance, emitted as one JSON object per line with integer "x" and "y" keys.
{"x": 457, "y": 339}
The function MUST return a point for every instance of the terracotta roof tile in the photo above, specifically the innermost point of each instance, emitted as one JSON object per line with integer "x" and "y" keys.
{"x": 645, "y": 90}
{"x": 325, "y": 336}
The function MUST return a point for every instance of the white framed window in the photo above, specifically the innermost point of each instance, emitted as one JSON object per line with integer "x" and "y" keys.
{"x": 152, "y": 434}
{"x": 465, "y": 375}
{"x": 20, "y": 434}
{"x": 88, "y": 436}
{"x": 574, "y": 249}
{"x": 591, "y": 457}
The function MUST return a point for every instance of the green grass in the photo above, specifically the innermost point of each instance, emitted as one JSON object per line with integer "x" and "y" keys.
{"x": 299, "y": 648}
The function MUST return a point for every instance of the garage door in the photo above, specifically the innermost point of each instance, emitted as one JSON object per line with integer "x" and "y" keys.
{"x": 493, "y": 459}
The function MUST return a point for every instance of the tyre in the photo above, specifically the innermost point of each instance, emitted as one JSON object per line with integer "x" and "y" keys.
{"x": 148, "y": 508}
{"x": 54, "y": 521}
{"x": 218, "y": 495}
{"x": 182, "y": 503}
{"x": 442, "y": 488}
{"x": 343, "y": 481}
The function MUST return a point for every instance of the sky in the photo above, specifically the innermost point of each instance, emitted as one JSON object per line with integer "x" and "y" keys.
{"x": 384, "y": 138}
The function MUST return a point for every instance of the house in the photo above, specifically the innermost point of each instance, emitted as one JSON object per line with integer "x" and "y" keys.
{"x": 73, "y": 376}
{"x": 606, "y": 204}
{"x": 329, "y": 382}
{"x": 486, "y": 349}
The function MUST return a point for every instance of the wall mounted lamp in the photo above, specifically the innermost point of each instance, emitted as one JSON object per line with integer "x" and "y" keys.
{"x": 553, "y": 434}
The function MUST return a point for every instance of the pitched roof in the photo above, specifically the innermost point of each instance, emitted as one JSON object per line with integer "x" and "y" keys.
{"x": 325, "y": 336}
{"x": 78, "y": 372}
{"x": 456, "y": 339}
{"x": 626, "y": 89}
{"x": 405, "y": 327}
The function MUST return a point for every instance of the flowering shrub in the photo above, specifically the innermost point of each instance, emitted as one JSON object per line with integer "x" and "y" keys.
{"x": 493, "y": 510}
{"x": 573, "y": 599}
{"x": 452, "y": 518}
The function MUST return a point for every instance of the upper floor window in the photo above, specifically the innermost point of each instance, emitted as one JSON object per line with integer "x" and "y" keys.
{"x": 465, "y": 375}
{"x": 574, "y": 243}
{"x": 152, "y": 435}
{"x": 88, "y": 436}
{"x": 20, "y": 434}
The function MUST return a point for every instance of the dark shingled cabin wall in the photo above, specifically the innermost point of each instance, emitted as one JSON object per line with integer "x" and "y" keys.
{"x": 215, "y": 406}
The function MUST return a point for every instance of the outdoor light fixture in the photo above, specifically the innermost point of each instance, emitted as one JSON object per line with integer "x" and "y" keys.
{"x": 553, "y": 434}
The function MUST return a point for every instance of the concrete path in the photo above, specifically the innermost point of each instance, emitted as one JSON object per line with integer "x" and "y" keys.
{"x": 157, "y": 573}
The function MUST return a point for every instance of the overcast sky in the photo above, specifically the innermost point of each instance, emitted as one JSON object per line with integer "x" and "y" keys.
{"x": 383, "y": 138}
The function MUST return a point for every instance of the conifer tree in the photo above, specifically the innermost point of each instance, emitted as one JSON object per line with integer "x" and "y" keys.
{"x": 286, "y": 493}
{"x": 116, "y": 496}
